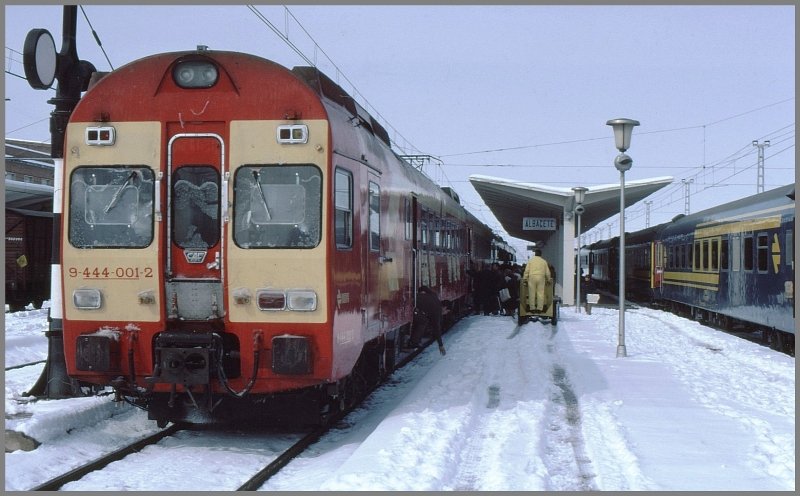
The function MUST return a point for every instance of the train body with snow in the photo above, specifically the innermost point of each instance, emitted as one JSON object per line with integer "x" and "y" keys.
{"x": 240, "y": 240}
{"x": 729, "y": 265}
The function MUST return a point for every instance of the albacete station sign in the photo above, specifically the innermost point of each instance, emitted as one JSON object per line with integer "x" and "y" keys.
{"x": 538, "y": 224}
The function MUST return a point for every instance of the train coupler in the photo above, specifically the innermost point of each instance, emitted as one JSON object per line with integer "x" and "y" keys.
{"x": 183, "y": 358}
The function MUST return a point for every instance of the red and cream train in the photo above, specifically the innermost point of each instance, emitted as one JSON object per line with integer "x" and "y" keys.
{"x": 240, "y": 240}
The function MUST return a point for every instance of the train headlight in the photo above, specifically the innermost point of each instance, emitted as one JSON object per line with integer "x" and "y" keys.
{"x": 100, "y": 136}
{"x": 195, "y": 74}
{"x": 87, "y": 299}
{"x": 292, "y": 134}
{"x": 270, "y": 299}
{"x": 301, "y": 300}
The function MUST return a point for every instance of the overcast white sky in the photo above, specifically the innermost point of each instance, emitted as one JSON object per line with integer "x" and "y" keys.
{"x": 517, "y": 92}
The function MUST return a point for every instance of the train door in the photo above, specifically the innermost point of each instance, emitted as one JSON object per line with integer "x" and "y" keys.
{"x": 372, "y": 288}
{"x": 194, "y": 238}
{"x": 657, "y": 263}
{"x": 415, "y": 283}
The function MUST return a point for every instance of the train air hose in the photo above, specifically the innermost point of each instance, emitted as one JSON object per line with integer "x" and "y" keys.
{"x": 221, "y": 369}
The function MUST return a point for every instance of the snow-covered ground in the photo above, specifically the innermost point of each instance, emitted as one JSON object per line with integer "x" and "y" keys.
{"x": 537, "y": 407}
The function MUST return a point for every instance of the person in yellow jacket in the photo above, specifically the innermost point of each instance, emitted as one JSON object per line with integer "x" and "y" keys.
{"x": 537, "y": 275}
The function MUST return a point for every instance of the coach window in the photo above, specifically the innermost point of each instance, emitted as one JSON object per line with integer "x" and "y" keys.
{"x": 683, "y": 259}
{"x": 687, "y": 249}
{"x": 195, "y": 207}
{"x": 736, "y": 253}
{"x": 714, "y": 255}
{"x": 374, "y": 216}
{"x": 724, "y": 257}
{"x": 277, "y": 206}
{"x": 423, "y": 229}
{"x": 343, "y": 199}
{"x": 747, "y": 253}
{"x": 111, "y": 207}
{"x": 409, "y": 218}
{"x": 437, "y": 234}
{"x": 763, "y": 252}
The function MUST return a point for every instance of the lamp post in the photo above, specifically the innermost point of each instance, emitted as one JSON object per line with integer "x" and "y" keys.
{"x": 580, "y": 193}
{"x": 623, "y": 128}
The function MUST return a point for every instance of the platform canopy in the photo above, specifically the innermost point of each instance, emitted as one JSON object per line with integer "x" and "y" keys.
{"x": 26, "y": 195}
{"x": 511, "y": 202}
{"x": 545, "y": 216}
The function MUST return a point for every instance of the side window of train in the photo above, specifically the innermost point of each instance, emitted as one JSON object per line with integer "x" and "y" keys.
{"x": 374, "y": 216}
{"x": 408, "y": 217}
{"x": 423, "y": 229}
{"x": 747, "y": 253}
{"x": 277, "y": 206}
{"x": 111, "y": 207}
{"x": 343, "y": 204}
{"x": 789, "y": 248}
{"x": 714, "y": 255}
{"x": 697, "y": 259}
{"x": 736, "y": 252}
{"x": 689, "y": 260}
{"x": 724, "y": 256}
{"x": 763, "y": 252}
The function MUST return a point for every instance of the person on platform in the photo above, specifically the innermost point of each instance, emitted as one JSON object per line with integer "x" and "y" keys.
{"x": 537, "y": 275}
{"x": 427, "y": 318}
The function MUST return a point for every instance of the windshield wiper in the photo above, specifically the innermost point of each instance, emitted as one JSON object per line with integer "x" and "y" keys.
{"x": 257, "y": 177}
{"x": 118, "y": 194}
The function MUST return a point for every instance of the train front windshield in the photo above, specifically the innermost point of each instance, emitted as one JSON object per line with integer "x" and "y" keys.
{"x": 111, "y": 207}
{"x": 278, "y": 206}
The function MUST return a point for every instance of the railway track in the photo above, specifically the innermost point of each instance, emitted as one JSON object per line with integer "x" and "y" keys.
{"x": 77, "y": 473}
{"x": 276, "y": 463}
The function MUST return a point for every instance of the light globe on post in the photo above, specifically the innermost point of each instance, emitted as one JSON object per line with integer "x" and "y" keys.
{"x": 580, "y": 194}
{"x": 623, "y": 128}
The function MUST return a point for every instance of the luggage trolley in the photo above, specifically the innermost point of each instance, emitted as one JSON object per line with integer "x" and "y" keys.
{"x": 552, "y": 309}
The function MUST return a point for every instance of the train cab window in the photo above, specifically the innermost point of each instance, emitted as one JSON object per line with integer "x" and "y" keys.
{"x": 111, "y": 207}
{"x": 343, "y": 203}
{"x": 195, "y": 207}
{"x": 789, "y": 248}
{"x": 374, "y": 216}
{"x": 747, "y": 253}
{"x": 277, "y": 206}
{"x": 763, "y": 252}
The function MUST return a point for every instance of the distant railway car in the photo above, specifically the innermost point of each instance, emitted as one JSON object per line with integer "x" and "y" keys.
{"x": 735, "y": 262}
{"x": 240, "y": 240}
{"x": 730, "y": 264}
{"x": 29, "y": 248}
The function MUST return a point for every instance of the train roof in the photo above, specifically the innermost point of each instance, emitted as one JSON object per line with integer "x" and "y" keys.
{"x": 742, "y": 208}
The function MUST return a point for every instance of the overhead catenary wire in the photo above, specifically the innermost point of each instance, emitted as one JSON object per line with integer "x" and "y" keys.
{"x": 96, "y": 37}
{"x": 405, "y": 146}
